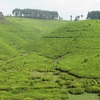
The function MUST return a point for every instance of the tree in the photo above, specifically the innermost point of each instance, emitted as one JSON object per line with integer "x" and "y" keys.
{"x": 70, "y": 17}
{"x": 93, "y": 15}
{"x": 16, "y": 12}
{"x": 60, "y": 18}
{"x": 1, "y": 15}
{"x": 35, "y": 13}
{"x": 77, "y": 18}
{"x": 81, "y": 15}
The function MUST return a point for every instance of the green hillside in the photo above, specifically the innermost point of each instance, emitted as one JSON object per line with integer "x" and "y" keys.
{"x": 77, "y": 46}
{"x": 24, "y": 71}
{"x": 18, "y": 33}
{"x": 49, "y": 59}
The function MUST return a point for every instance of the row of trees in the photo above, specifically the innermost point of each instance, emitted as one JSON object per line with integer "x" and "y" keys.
{"x": 90, "y": 15}
{"x": 42, "y": 14}
{"x": 76, "y": 18}
{"x": 36, "y": 14}
{"x": 93, "y": 15}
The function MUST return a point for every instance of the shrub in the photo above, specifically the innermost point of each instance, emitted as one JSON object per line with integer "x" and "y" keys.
{"x": 5, "y": 89}
{"x": 61, "y": 82}
{"x": 76, "y": 91}
{"x": 56, "y": 73}
{"x": 92, "y": 89}
{"x": 63, "y": 91}
{"x": 68, "y": 82}
{"x": 46, "y": 78}
{"x": 75, "y": 84}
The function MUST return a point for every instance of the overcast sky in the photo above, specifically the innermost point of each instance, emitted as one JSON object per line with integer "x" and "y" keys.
{"x": 65, "y": 8}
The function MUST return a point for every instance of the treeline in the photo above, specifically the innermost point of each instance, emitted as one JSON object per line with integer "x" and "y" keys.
{"x": 35, "y": 13}
{"x": 93, "y": 15}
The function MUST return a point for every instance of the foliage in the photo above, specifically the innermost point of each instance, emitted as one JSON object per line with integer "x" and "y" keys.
{"x": 46, "y": 59}
{"x": 93, "y": 89}
{"x": 1, "y": 15}
{"x": 35, "y": 13}
{"x": 84, "y": 96}
{"x": 25, "y": 73}
{"x": 93, "y": 15}
{"x": 76, "y": 91}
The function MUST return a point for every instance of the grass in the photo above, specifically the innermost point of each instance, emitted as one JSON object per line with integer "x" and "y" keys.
{"x": 48, "y": 59}
{"x": 24, "y": 71}
{"x": 84, "y": 97}
{"x": 76, "y": 44}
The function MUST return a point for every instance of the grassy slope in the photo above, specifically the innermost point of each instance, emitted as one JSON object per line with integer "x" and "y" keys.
{"x": 84, "y": 97}
{"x": 23, "y": 69}
{"x": 79, "y": 44}
{"x": 18, "y": 35}
{"x": 48, "y": 56}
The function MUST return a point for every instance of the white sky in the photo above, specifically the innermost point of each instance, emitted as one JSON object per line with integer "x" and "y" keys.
{"x": 65, "y": 8}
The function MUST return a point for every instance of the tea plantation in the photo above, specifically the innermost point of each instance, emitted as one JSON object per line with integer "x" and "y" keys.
{"x": 49, "y": 59}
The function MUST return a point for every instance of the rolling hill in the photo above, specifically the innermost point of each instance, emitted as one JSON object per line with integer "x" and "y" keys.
{"x": 48, "y": 59}
{"x": 79, "y": 45}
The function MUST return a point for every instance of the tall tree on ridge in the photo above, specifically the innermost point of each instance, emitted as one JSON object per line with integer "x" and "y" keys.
{"x": 35, "y": 13}
{"x": 1, "y": 15}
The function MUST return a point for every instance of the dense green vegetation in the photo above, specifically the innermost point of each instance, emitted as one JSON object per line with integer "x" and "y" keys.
{"x": 93, "y": 15}
{"x": 84, "y": 97}
{"x": 1, "y": 15}
{"x": 49, "y": 59}
{"x": 25, "y": 73}
{"x": 35, "y": 13}
{"x": 80, "y": 48}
